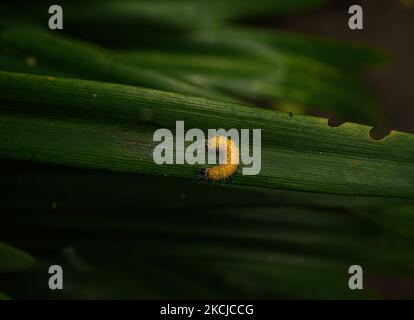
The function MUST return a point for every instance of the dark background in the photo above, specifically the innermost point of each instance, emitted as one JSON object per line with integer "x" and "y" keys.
{"x": 387, "y": 24}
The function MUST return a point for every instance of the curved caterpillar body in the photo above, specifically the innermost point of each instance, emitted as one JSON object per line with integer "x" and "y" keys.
{"x": 225, "y": 170}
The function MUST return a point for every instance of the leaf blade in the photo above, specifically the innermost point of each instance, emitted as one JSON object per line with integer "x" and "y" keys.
{"x": 119, "y": 138}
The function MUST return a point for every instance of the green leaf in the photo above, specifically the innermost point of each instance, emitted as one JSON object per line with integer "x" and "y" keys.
{"x": 282, "y": 76}
{"x": 13, "y": 259}
{"x": 287, "y": 78}
{"x": 278, "y": 244}
{"x": 100, "y": 125}
{"x": 86, "y": 60}
{"x": 48, "y": 187}
{"x": 179, "y": 14}
{"x": 122, "y": 226}
{"x": 3, "y": 296}
{"x": 397, "y": 219}
{"x": 267, "y": 44}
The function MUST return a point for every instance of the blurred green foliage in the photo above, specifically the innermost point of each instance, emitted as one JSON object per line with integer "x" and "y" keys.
{"x": 128, "y": 231}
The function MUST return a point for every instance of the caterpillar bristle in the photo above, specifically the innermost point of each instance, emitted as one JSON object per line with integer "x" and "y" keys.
{"x": 224, "y": 171}
{"x": 203, "y": 175}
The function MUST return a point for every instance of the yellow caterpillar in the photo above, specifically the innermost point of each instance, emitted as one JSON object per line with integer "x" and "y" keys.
{"x": 225, "y": 170}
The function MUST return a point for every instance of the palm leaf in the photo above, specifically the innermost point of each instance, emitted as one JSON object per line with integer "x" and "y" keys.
{"x": 104, "y": 129}
{"x": 77, "y": 168}
{"x": 86, "y": 60}
{"x": 178, "y": 14}
{"x": 13, "y": 259}
{"x": 3, "y": 296}
{"x": 287, "y": 78}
